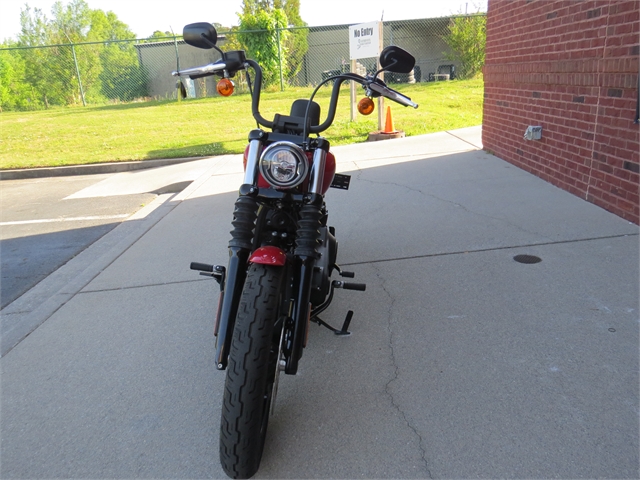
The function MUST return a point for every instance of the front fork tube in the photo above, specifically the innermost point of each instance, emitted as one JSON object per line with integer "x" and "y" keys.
{"x": 236, "y": 274}
{"x": 307, "y": 241}
{"x": 301, "y": 313}
{"x": 240, "y": 245}
{"x": 318, "y": 166}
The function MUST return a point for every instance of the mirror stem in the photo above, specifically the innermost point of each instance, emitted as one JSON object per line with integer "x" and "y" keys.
{"x": 388, "y": 67}
{"x": 211, "y": 44}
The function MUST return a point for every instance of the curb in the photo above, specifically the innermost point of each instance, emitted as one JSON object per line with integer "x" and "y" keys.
{"x": 91, "y": 169}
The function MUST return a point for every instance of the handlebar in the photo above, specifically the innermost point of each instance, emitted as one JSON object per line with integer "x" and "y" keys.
{"x": 219, "y": 67}
{"x": 208, "y": 69}
{"x": 374, "y": 86}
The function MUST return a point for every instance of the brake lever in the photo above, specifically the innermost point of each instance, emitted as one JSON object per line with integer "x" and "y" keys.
{"x": 377, "y": 88}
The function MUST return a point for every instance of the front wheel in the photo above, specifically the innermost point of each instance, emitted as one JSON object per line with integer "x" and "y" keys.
{"x": 251, "y": 372}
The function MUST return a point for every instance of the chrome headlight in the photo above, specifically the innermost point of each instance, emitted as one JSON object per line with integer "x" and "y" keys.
{"x": 283, "y": 165}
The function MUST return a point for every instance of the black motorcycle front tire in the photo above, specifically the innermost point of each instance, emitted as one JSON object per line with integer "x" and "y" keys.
{"x": 251, "y": 372}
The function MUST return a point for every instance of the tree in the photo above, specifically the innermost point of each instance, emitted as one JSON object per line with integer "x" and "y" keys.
{"x": 292, "y": 34}
{"x": 15, "y": 93}
{"x": 160, "y": 34}
{"x": 467, "y": 39}
{"x": 262, "y": 35}
{"x": 296, "y": 44}
{"x": 34, "y": 27}
{"x": 35, "y": 31}
{"x": 106, "y": 26}
{"x": 254, "y": 6}
{"x": 121, "y": 77}
{"x": 56, "y": 72}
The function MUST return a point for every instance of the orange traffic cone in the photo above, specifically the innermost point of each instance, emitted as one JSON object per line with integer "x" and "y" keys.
{"x": 388, "y": 124}
{"x": 388, "y": 132}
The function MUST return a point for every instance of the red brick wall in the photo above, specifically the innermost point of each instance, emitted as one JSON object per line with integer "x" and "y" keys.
{"x": 571, "y": 67}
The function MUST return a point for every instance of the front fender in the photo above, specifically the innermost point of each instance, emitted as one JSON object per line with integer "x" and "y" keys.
{"x": 269, "y": 255}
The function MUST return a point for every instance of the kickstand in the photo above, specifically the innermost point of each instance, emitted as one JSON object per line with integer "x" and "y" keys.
{"x": 345, "y": 325}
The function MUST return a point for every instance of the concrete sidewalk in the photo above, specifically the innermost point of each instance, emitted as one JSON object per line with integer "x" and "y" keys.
{"x": 463, "y": 363}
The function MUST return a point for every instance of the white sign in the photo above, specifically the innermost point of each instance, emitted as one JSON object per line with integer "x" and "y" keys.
{"x": 364, "y": 40}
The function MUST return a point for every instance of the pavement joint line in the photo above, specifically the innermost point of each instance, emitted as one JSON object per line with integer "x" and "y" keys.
{"x": 66, "y": 219}
{"x": 492, "y": 249}
{"x": 462, "y": 139}
{"x": 372, "y": 262}
{"x": 149, "y": 285}
{"x": 441, "y": 199}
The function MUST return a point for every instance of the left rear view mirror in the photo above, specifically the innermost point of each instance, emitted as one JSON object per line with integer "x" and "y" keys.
{"x": 200, "y": 35}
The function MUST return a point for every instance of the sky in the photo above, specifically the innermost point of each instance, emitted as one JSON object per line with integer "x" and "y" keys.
{"x": 145, "y": 16}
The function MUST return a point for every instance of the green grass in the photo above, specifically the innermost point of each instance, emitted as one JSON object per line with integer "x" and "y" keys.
{"x": 210, "y": 126}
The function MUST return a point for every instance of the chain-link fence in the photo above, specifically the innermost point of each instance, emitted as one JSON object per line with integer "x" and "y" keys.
{"x": 140, "y": 70}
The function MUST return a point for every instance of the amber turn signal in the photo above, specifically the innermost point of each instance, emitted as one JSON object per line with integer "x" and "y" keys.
{"x": 225, "y": 87}
{"x": 366, "y": 106}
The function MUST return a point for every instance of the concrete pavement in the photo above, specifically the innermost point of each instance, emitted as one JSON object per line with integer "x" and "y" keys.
{"x": 462, "y": 363}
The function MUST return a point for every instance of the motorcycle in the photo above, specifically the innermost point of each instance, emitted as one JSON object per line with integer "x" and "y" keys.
{"x": 282, "y": 253}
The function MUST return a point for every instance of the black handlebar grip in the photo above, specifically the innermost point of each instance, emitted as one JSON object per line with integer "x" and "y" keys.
{"x": 203, "y": 267}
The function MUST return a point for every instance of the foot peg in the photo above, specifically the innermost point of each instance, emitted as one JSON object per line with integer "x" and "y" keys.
{"x": 361, "y": 287}
{"x": 215, "y": 271}
{"x": 321, "y": 308}
{"x": 343, "y": 273}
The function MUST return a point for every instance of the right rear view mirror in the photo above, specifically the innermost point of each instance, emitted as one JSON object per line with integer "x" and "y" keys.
{"x": 397, "y": 60}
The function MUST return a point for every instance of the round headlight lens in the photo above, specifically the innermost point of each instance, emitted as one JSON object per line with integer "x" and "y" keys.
{"x": 283, "y": 165}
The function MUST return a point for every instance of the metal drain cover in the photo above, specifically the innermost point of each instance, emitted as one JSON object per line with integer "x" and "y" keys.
{"x": 528, "y": 259}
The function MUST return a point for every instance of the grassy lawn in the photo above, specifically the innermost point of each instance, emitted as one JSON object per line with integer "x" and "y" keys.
{"x": 210, "y": 126}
